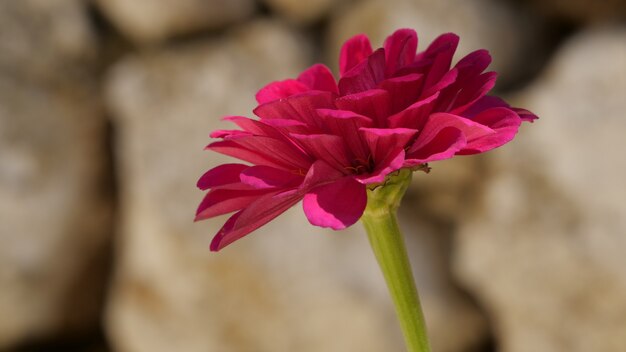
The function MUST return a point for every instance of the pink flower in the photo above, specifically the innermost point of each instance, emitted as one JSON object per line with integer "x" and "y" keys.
{"x": 325, "y": 141}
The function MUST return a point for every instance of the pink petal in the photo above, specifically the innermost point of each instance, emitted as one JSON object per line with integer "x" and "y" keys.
{"x": 414, "y": 116}
{"x": 280, "y": 89}
{"x": 320, "y": 173}
{"x": 346, "y": 124}
{"x": 484, "y": 103}
{"x": 353, "y": 51}
{"x": 400, "y": 49}
{"x": 503, "y": 121}
{"x": 446, "y": 81}
{"x": 403, "y": 90}
{"x": 336, "y": 205}
{"x": 488, "y": 102}
{"x": 288, "y": 126}
{"x": 473, "y": 64}
{"x": 473, "y": 90}
{"x": 263, "y": 177}
{"x": 444, "y": 143}
{"x": 298, "y": 107}
{"x": 327, "y": 147}
{"x": 471, "y": 129}
{"x": 257, "y": 214}
{"x": 224, "y": 201}
{"x": 221, "y": 175}
{"x": 525, "y": 115}
{"x": 374, "y": 103}
{"x": 365, "y": 75}
{"x": 319, "y": 77}
{"x": 383, "y": 142}
{"x": 394, "y": 161}
{"x": 440, "y": 51}
{"x": 260, "y": 150}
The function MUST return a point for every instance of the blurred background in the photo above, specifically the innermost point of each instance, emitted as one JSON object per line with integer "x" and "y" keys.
{"x": 106, "y": 105}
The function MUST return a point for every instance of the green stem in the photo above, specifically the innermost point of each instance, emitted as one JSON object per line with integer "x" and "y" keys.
{"x": 387, "y": 243}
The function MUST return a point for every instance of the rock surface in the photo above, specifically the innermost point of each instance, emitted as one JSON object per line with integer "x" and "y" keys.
{"x": 151, "y": 21}
{"x": 492, "y": 25}
{"x": 302, "y": 12}
{"x": 545, "y": 251}
{"x": 289, "y": 286}
{"x": 54, "y": 213}
{"x": 582, "y": 10}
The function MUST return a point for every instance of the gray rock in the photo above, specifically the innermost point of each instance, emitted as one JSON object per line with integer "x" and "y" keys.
{"x": 544, "y": 247}
{"x": 151, "y": 21}
{"x": 508, "y": 34}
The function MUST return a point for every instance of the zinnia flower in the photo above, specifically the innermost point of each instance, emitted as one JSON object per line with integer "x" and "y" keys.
{"x": 326, "y": 142}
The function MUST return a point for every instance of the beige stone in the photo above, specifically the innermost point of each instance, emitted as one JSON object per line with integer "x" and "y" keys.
{"x": 151, "y": 21}
{"x": 544, "y": 248}
{"x": 302, "y": 12}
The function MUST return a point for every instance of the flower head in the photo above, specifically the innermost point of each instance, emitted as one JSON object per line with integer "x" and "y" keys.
{"x": 326, "y": 142}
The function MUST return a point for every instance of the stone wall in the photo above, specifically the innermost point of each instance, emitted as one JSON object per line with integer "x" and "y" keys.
{"x": 106, "y": 105}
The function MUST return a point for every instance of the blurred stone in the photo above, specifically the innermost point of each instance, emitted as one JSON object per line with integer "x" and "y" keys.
{"x": 150, "y": 21}
{"x": 544, "y": 247}
{"x": 54, "y": 214}
{"x": 582, "y": 10}
{"x": 37, "y": 37}
{"x": 507, "y": 33}
{"x": 302, "y": 12}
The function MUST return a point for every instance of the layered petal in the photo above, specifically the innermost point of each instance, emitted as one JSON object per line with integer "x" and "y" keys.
{"x": 336, "y": 205}
{"x": 258, "y": 213}
{"x": 224, "y": 201}
{"x": 279, "y": 90}
{"x": 504, "y": 123}
{"x": 353, "y": 51}
{"x": 225, "y": 174}
{"x": 266, "y": 177}
{"x": 400, "y": 50}
{"x": 319, "y": 77}
{"x": 365, "y": 75}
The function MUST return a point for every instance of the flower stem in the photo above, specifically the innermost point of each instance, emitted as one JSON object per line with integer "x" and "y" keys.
{"x": 387, "y": 243}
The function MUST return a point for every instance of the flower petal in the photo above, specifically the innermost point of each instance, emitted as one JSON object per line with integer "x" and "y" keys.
{"x": 263, "y": 177}
{"x": 414, "y": 116}
{"x": 365, "y": 75}
{"x": 346, "y": 124}
{"x": 224, "y": 201}
{"x": 442, "y": 144}
{"x": 503, "y": 121}
{"x": 319, "y": 77}
{"x": 400, "y": 49}
{"x": 473, "y": 90}
{"x": 383, "y": 142}
{"x": 353, "y": 51}
{"x": 298, "y": 107}
{"x": 279, "y": 90}
{"x": 440, "y": 53}
{"x": 261, "y": 150}
{"x": 258, "y": 213}
{"x": 374, "y": 103}
{"x": 327, "y": 147}
{"x": 336, "y": 205}
{"x": 403, "y": 90}
{"x": 221, "y": 175}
